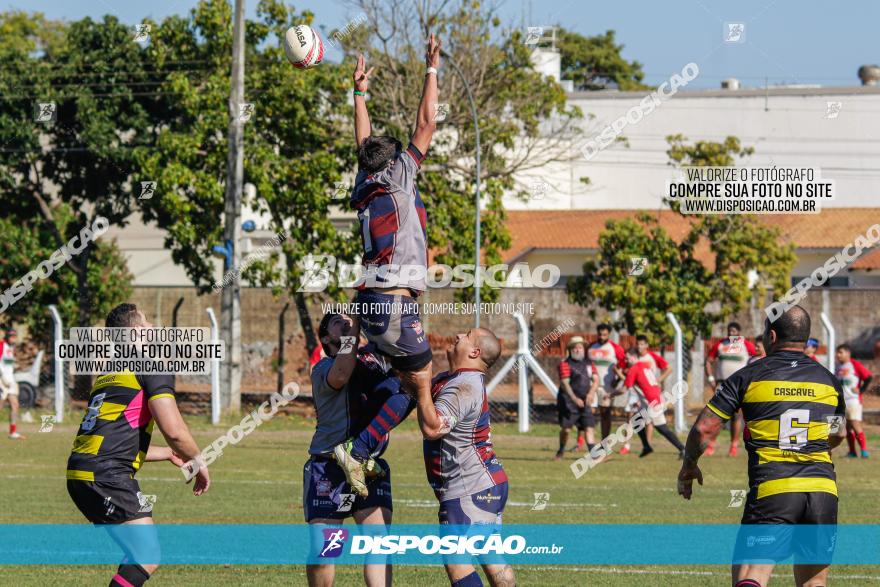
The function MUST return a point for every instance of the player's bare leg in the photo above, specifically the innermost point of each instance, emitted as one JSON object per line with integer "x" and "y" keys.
{"x": 856, "y": 439}
{"x": 138, "y": 547}
{"x": 500, "y": 575}
{"x": 811, "y": 575}
{"x": 563, "y": 441}
{"x": 605, "y": 419}
{"x": 759, "y": 575}
{"x": 591, "y": 437}
{"x": 375, "y": 575}
{"x": 321, "y": 575}
{"x": 13, "y": 418}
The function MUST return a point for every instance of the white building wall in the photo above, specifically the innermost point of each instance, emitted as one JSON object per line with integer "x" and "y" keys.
{"x": 788, "y": 127}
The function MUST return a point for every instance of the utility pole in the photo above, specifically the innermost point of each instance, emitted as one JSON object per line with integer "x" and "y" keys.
{"x": 230, "y": 304}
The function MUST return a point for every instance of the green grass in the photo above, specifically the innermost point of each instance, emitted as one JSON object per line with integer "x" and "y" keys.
{"x": 260, "y": 481}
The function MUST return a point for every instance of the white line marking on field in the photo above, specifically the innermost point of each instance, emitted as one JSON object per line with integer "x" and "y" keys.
{"x": 426, "y": 503}
{"x": 617, "y": 570}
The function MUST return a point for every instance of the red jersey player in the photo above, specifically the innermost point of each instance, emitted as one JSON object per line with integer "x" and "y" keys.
{"x": 726, "y": 357}
{"x": 640, "y": 378}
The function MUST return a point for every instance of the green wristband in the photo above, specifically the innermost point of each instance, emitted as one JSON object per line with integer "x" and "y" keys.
{"x": 359, "y": 93}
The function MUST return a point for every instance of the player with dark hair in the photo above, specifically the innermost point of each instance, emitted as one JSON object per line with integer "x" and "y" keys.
{"x": 609, "y": 359}
{"x": 112, "y": 443}
{"x": 725, "y": 358}
{"x": 463, "y": 470}
{"x": 350, "y": 388}
{"x": 393, "y": 225}
{"x": 793, "y": 409}
{"x": 641, "y": 381}
{"x": 851, "y": 380}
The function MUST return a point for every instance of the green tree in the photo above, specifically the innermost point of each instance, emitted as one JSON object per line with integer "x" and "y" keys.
{"x": 294, "y": 153}
{"x": 57, "y": 177}
{"x": 596, "y": 63}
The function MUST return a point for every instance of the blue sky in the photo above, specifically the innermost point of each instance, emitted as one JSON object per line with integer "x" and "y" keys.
{"x": 787, "y": 41}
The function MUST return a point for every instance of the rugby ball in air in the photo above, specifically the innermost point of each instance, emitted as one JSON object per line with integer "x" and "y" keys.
{"x": 303, "y": 46}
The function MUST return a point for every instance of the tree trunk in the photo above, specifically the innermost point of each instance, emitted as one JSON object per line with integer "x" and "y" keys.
{"x": 305, "y": 322}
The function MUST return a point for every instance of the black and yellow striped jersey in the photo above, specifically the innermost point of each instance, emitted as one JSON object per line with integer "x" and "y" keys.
{"x": 789, "y": 402}
{"x": 114, "y": 435}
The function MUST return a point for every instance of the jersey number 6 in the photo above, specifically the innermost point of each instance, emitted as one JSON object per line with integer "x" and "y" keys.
{"x": 794, "y": 427}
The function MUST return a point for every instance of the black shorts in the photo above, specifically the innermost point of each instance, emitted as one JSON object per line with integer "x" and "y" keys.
{"x": 110, "y": 501}
{"x": 778, "y": 526}
{"x": 569, "y": 416}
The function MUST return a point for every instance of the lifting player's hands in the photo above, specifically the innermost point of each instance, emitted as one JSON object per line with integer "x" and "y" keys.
{"x": 686, "y": 479}
{"x": 362, "y": 77}
{"x": 432, "y": 53}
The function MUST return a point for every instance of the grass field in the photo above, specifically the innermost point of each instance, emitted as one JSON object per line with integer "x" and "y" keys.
{"x": 260, "y": 481}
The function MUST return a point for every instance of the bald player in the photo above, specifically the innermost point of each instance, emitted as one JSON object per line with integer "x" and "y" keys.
{"x": 793, "y": 408}
{"x": 466, "y": 476}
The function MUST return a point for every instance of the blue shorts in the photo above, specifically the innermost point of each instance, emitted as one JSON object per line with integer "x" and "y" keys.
{"x": 484, "y": 507}
{"x": 392, "y": 323}
{"x": 327, "y": 495}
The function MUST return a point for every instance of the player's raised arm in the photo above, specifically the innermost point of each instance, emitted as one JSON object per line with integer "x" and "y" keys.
{"x": 362, "y": 127}
{"x": 345, "y": 360}
{"x": 426, "y": 121}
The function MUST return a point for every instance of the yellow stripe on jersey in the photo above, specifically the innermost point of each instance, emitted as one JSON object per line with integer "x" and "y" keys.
{"x": 768, "y": 430}
{"x": 124, "y": 379}
{"x": 772, "y": 454}
{"x": 796, "y": 485}
{"x": 80, "y": 475}
{"x": 171, "y": 395}
{"x": 790, "y": 391}
{"x": 110, "y": 411}
{"x": 717, "y": 411}
{"x": 139, "y": 460}
{"x": 88, "y": 444}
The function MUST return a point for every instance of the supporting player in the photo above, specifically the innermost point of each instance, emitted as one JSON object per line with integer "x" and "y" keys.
{"x": 609, "y": 359}
{"x": 112, "y": 443}
{"x": 725, "y": 358}
{"x": 849, "y": 378}
{"x": 394, "y": 230}
{"x": 462, "y": 468}
{"x": 8, "y": 384}
{"x": 578, "y": 380}
{"x": 640, "y": 380}
{"x": 349, "y": 387}
{"x": 789, "y": 403}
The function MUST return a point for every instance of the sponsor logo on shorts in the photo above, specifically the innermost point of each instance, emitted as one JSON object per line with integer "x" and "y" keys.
{"x": 323, "y": 487}
{"x": 487, "y": 497}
